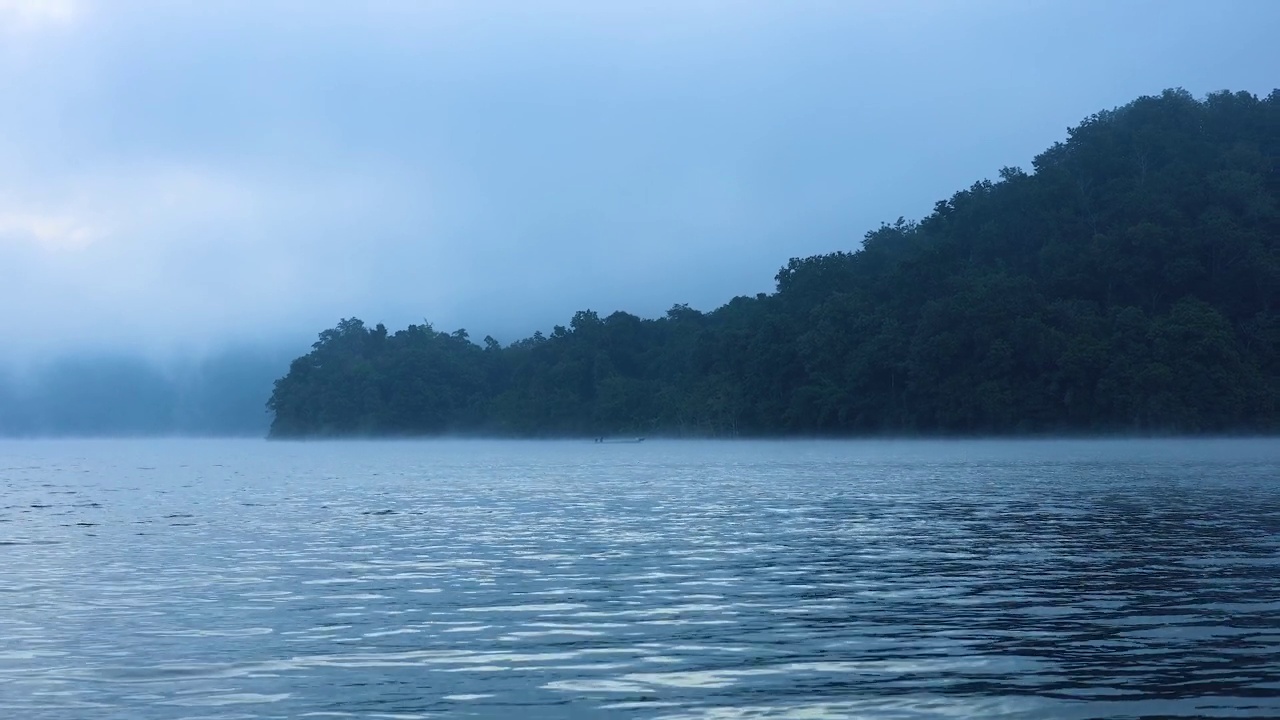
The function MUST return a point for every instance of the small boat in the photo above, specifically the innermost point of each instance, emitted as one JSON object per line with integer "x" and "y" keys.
{"x": 619, "y": 440}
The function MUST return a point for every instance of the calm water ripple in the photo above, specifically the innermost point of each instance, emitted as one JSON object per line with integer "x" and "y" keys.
{"x": 248, "y": 580}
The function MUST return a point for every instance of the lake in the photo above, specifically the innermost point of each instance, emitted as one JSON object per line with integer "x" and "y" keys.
{"x": 250, "y": 580}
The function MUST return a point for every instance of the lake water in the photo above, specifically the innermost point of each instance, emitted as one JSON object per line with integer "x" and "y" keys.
{"x": 246, "y": 579}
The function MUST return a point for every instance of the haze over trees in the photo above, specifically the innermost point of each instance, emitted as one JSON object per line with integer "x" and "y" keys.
{"x": 115, "y": 395}
{"x": 1128, "y": 282}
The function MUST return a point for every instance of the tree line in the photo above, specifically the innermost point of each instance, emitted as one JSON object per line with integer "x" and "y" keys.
{"x": 1127, "y": 283}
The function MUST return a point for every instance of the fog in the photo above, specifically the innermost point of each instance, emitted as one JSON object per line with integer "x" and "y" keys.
{"x": 97, "y": 394}
{"x": 177, "y": 179}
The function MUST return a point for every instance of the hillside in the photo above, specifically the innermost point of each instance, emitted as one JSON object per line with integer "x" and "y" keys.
{"x": 1127, "y": 283}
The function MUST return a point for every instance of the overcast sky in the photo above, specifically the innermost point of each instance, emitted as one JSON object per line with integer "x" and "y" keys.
{"x": 178, "y": 175}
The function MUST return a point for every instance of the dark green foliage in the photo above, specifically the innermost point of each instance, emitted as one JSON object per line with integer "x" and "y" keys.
{"x": 1130, "y": 283}
{"x": 358, "y": 380}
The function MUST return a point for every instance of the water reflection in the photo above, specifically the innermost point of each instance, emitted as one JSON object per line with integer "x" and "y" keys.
{"x": 675, "y": 580}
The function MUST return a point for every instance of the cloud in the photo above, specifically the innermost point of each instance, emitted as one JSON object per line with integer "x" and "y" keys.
{"x": 39, "y": 11}
{"x": 179, "y": 175}
{"x": 52, "y": 232}
{"x": 28, "y": 16}
{"x": 168, "y": 255}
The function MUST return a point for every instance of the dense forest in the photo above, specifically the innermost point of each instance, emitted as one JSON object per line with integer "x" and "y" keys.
{"x": 1128, "y": 283}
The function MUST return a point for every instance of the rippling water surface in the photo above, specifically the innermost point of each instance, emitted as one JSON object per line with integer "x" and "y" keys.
{"x": 244, "y": 579}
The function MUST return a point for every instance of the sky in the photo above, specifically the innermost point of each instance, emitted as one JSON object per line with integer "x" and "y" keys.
{"x": 177, "y": 176}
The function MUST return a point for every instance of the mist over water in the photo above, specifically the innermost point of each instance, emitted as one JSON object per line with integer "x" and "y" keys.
{"x": 121, "y": 395}
{"x": 191, "y": 192}
{"x": 184, "y": 579}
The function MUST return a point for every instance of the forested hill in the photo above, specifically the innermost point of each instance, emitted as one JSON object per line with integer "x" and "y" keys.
{"x": 1129, "y": 283}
